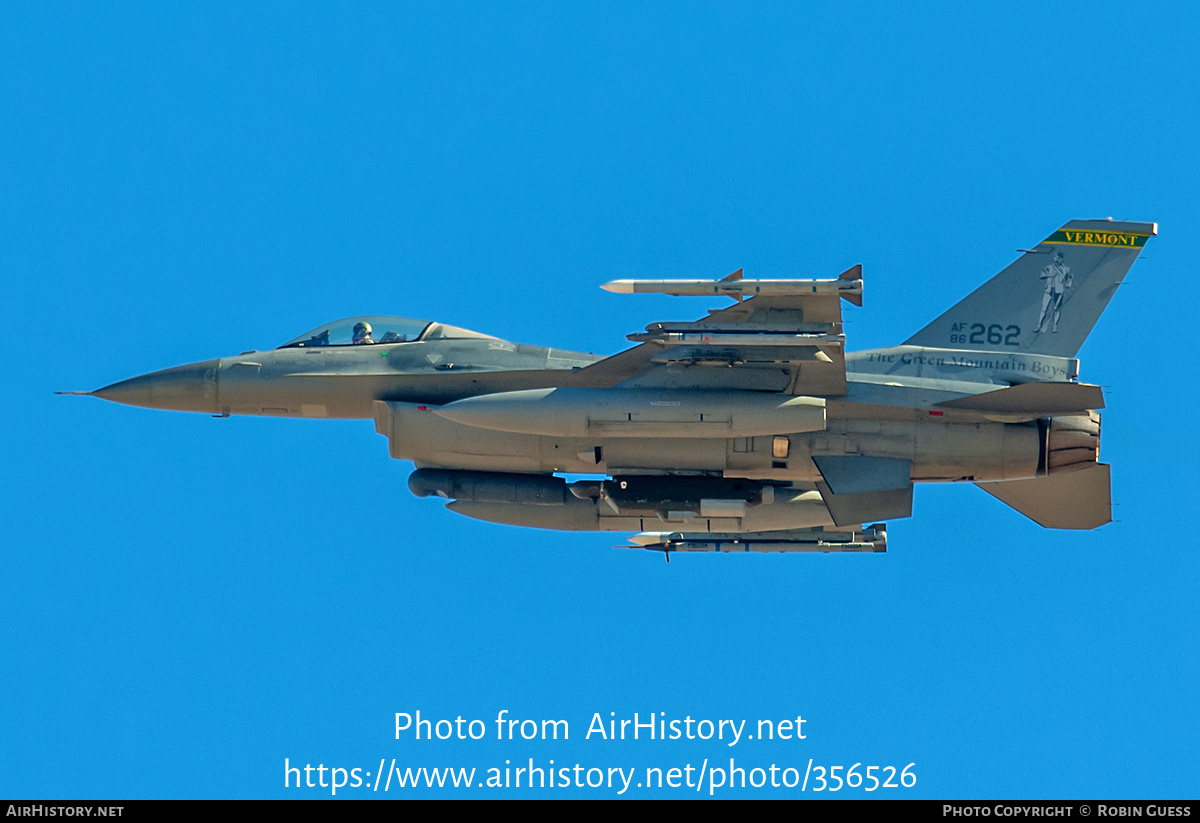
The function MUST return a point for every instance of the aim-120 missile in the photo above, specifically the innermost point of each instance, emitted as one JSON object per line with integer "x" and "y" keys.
{"x": 848, "y": 285}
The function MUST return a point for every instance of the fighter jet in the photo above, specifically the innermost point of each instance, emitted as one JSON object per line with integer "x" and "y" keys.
{"x": 750, "y": 429}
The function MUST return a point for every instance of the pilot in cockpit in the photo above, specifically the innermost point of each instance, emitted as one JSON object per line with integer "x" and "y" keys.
{"x": 362, "y": 334}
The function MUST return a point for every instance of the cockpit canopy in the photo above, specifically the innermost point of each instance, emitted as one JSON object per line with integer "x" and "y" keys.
{"x": 377, "y": 330}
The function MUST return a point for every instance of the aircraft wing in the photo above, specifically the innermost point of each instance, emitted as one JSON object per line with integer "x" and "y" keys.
{"x": 783, "y": 336}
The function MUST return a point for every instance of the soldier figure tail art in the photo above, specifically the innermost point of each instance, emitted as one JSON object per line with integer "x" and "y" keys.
{"x": 1058, "y": 279}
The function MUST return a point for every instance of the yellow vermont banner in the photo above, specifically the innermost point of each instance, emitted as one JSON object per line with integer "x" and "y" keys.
{"x": 1079, "y": 237}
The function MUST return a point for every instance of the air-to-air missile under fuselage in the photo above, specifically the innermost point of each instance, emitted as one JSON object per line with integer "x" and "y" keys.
{"x": 750, "y": 429}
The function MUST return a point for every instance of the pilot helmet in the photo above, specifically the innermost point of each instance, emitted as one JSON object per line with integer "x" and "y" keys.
{"x": 362, "y": 330}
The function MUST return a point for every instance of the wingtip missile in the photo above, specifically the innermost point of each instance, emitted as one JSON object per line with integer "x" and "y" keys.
{"x": 849, "y": 286}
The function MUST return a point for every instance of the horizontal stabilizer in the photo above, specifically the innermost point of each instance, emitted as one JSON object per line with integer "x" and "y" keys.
{"x": 1071, "y": 500}
{"x": 1033, "y": 398}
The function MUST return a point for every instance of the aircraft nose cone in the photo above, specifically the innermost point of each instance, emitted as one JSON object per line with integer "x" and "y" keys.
{"x": 183, "y": 388}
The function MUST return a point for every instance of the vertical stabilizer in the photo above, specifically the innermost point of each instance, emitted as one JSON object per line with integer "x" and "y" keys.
{"x": 1049, "y": 299}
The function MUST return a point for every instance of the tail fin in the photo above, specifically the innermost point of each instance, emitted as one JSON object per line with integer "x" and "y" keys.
{"x": 1049, "y": 299}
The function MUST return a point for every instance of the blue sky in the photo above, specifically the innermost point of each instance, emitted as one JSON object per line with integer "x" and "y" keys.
{"x": 185, "y": 602}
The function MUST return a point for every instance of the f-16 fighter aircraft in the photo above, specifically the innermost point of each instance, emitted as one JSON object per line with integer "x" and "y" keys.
{"x": 750, "y": 429}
